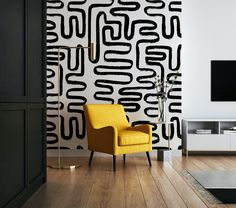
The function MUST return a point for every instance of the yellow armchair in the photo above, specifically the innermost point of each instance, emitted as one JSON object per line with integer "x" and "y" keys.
{"x": 109, "y": 131}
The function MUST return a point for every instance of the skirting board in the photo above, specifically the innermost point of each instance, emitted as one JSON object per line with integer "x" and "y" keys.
{"x": 86, "y": 153}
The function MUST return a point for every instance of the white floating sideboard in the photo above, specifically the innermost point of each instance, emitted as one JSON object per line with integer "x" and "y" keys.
{"x": 219, "y": 140}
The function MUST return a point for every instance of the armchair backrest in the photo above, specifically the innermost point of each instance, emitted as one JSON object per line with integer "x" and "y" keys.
{"x": 102, "y": 115}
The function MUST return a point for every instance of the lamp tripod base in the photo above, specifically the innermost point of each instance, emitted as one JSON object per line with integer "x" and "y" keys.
{"x": 63, "y": 166}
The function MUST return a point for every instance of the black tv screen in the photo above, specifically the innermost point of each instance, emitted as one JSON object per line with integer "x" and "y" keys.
{"x": 223, "y": 80}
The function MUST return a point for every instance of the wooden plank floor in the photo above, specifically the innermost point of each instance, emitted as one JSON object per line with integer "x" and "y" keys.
{"x": 133, "y": 185}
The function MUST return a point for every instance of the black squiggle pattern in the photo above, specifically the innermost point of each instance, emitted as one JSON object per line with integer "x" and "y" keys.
{"x": 175, "y": 6}
{"x": 135, "y": 41}
{"x": 52, "y": 4}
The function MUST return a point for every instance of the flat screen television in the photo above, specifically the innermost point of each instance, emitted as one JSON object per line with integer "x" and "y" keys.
{"x": 223, "y": 80}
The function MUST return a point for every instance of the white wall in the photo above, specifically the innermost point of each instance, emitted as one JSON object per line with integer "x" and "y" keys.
{"x": 209, "y": 33}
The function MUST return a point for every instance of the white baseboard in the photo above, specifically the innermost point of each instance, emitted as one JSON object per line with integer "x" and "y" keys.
{"x": 86, "y": 153}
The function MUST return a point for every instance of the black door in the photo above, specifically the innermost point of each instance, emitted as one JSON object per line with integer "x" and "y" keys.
{"x": 22, "y": 100}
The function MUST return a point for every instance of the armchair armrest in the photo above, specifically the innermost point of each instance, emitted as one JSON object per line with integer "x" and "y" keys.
{"x": 106, "y": 132}
{"x": 146, "y": 128}
{"x": 104, "y": 139}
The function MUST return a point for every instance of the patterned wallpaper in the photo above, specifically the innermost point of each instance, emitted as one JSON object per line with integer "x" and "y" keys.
{"x": 135, "y": 41}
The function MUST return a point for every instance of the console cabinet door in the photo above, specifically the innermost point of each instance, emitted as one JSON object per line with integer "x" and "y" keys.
{"x": 233, "y": 142}
{"x": 209, "y": 142}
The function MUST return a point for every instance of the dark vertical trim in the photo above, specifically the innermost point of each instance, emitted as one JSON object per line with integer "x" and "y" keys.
{"x": 44, "y": 115}
{"x": 26, "y": 90}
{"x": 114, "y": 163}
{"x": 91, "y": 157}
{"x": 44, "y": 65}
{"x": 124, "y": 157}
{"x": 26, "y": 94}
{"x": 44, "y": 47}
{"x": 26, "y": 146}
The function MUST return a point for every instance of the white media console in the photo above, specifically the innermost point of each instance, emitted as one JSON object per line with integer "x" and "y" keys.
{"x": 205, "y": 135}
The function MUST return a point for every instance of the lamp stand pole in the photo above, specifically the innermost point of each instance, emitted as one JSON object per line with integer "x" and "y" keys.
{"x": 59, "y": 163}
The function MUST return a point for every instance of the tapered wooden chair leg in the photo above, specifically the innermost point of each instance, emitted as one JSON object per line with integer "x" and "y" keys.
{"x": 149, "y": 160}
{"x": 91, "y": 157}
{"x": 124, "y": 157}
{"x": 114, "y": 163}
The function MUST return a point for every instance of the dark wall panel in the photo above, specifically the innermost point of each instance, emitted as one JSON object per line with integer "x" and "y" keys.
{"x": 35, "y": 42}
{"x": 12, "y": 73}
{"x": 35, "y": 142}
{"x": 22, "y": 100}
{"x": 12, "y": 148}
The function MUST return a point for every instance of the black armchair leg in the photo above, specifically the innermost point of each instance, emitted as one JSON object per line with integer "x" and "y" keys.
{"x": 91, "y": 157}
{"x": 124, "y": 157}
{"x": 149, "y": 161}
{"x": 114, "y": 163}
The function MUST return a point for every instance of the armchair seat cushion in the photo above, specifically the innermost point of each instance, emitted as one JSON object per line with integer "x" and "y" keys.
{"x": 130, "y": 137}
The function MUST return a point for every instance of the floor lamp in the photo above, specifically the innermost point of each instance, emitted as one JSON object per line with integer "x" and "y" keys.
{"x": 92, "y": 56}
